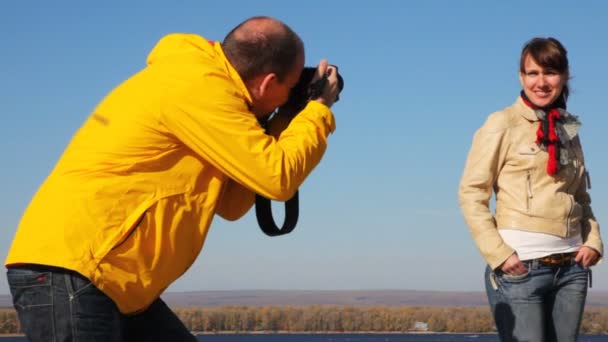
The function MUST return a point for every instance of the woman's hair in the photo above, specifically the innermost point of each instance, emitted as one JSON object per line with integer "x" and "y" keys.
{"x": 548, "y": 53}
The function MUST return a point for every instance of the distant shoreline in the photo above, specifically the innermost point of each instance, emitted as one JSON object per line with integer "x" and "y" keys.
{"x": 338, "y": 333}
{"x": 389, "y": 298}
{"x": 316, "y": 333}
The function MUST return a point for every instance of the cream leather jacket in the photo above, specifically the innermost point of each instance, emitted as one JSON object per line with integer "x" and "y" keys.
{"x": 505, "y": 159}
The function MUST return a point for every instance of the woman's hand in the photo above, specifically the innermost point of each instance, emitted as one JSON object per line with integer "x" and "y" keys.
{"x": 513, "y": 266}
{"x": 587, "y": 256}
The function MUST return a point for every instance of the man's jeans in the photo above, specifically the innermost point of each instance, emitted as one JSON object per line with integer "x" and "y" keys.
{"x": 58, "y": 305}
{"x": 546, "y": 304}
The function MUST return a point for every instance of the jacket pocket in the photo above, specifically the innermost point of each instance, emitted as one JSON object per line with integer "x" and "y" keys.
{"x": 528, "y": 150}
{"x": 515, "y": 278}
{"x": 128, "y": 215}
{"x": 131, "y": 231}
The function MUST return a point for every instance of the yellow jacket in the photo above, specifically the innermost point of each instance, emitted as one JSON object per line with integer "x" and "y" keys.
{"x": 130, "y": 202}
{"x": 505, "y": 159}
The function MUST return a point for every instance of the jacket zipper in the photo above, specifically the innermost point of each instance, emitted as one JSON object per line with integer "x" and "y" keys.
{"x": 529, "y": 189}
{"x": 571, "y": 196}
{"x": 568, "y": 218}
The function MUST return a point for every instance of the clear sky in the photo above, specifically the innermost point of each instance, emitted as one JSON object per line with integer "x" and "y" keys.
{"x": 381, "y": 210}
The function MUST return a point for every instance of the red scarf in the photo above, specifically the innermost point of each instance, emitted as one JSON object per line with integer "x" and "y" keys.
{"x": 546, "y": 134}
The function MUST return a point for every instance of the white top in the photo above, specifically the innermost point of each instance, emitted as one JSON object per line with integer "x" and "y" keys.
{"x": 530, "y": 245}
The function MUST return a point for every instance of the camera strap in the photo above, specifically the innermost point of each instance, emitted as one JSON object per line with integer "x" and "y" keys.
{"x": 303, "y": 92}
{"x": 263, "y": 213}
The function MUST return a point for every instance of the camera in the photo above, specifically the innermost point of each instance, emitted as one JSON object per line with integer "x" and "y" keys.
{"x": 304, "y": 91}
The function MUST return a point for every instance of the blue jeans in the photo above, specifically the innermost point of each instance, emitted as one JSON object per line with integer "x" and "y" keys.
{"x": 59, "y": 305}
{"x": 545, "y": 304}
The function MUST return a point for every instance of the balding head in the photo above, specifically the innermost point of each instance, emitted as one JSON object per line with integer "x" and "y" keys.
{"x": 262, "y": 45}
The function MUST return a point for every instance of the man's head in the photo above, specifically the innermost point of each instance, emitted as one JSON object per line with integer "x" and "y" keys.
{"x": 269, "y": 57}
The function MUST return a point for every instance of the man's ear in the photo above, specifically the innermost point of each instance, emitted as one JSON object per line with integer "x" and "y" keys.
{"x": 267, "y": 84}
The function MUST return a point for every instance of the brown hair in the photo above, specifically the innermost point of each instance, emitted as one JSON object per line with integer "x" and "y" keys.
{"x": 548, "y": 53}
{"x": 262, "y": 45}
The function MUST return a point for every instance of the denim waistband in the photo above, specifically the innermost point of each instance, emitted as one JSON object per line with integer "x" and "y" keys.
{"x": 43, "y": 268}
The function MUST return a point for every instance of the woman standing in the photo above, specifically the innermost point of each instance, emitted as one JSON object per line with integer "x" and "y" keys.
{"x": 543, "y": 236}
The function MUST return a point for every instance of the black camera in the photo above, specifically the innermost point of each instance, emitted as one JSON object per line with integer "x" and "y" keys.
{"x": 304, "y": 91}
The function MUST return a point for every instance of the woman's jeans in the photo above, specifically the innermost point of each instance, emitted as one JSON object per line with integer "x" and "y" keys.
{"x": 59, "y": 305}
{"x": 545, "y": 304}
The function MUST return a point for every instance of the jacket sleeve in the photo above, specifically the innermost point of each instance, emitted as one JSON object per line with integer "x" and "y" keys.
{"x": 235, "y": 202}
{"x": 483, "y": 165}
{"x": 590, "y": 227}
{"x": 236, "y": 199}
{"x": 214, "y": 121}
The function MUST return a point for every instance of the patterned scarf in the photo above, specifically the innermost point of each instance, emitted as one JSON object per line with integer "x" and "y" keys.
{"x": 556, "y": 129}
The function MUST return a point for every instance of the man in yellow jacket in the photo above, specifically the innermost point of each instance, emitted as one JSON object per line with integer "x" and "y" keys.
{"x": 126, "y": 210}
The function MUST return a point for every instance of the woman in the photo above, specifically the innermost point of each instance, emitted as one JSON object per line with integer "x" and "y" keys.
{"x": 543, "y": 237}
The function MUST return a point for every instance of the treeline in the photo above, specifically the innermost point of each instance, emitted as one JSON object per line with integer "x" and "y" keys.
{"x": 321, "y": 318}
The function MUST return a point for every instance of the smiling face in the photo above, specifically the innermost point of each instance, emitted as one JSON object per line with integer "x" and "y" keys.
{"x": 544, "y": 71}
{"x": 541, "y": 85}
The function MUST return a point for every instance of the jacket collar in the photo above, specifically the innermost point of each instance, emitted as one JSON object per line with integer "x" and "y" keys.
{"x": 525, "y": 111}
{"x": 233, "y": 73}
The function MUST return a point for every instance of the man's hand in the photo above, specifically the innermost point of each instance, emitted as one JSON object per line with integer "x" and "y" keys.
{"x": 331, "y": 90}
{"x": 513, "y": 266}
{"x": 587, "y": 256}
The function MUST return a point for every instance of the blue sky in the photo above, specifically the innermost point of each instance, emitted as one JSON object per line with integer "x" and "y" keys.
{"x": 381, "y": 210}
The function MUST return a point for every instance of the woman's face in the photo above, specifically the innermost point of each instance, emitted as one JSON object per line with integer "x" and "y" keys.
{"x": 541, "y": 85}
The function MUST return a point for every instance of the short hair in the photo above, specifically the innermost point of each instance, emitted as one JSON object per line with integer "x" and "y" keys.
{"x": 268, "y": 47}
{"x": 548, "y": 53}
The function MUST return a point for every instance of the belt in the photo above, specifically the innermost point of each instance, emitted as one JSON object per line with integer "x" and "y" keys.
{"x": 558, "y": 259}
